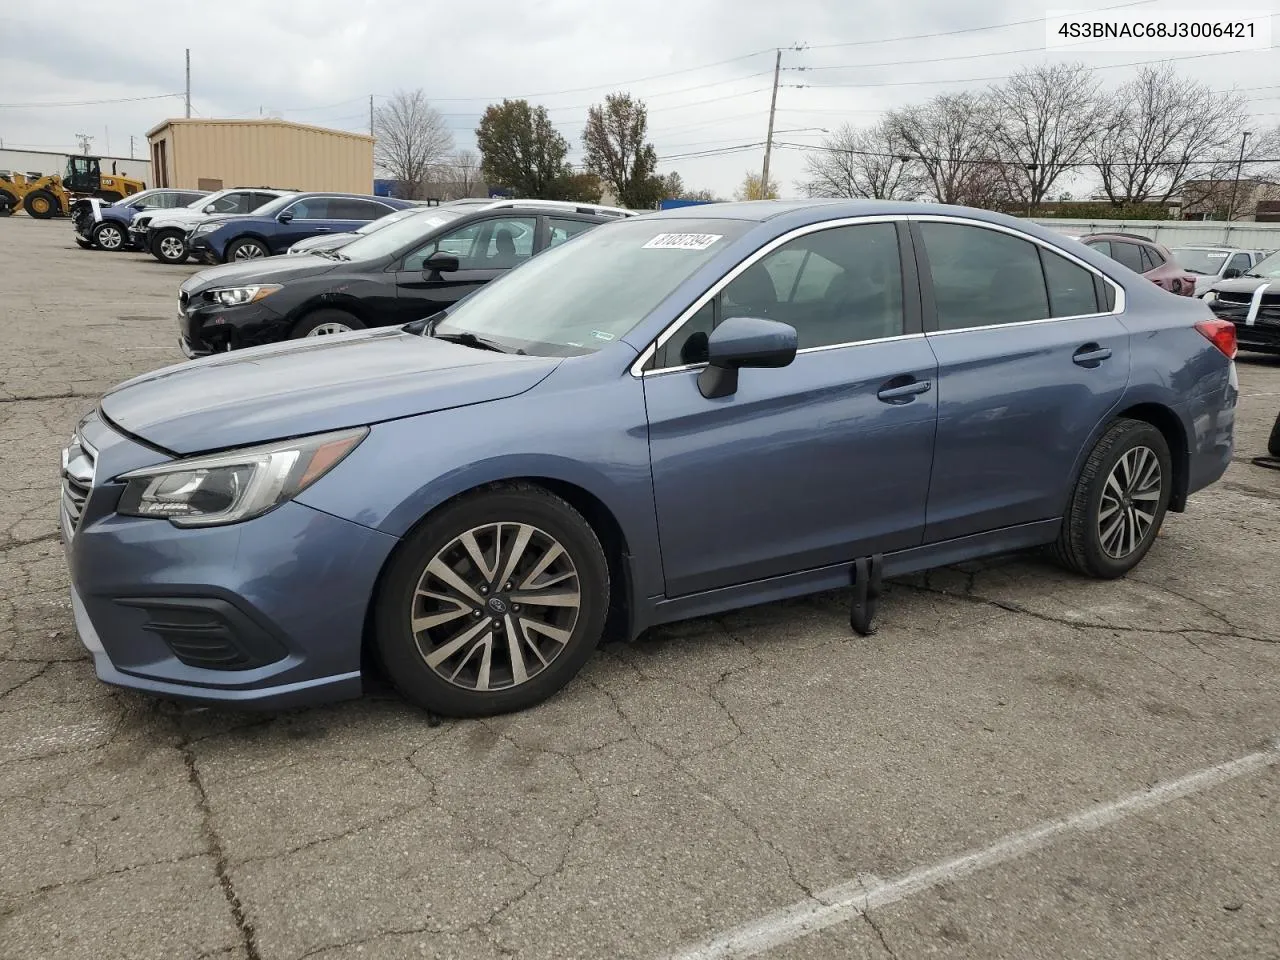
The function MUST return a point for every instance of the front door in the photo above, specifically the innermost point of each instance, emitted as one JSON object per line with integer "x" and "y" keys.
{"x": 1030, "y": 361}
{"x": 486, "y": 249}
{"x": 816, "y": 463}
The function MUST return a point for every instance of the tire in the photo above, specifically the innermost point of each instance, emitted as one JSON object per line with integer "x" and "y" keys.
{"x": 321, "y": 323}
{"x": 40, "y": 204}
{"x": 84, "y": 244}
{"x": 7, "y": 203}
{"x": 540, "y": 521}
{"x": 1273, "y": 442}
{"x": 110, "y": 237}
{"x": 170, "y": 246}
{"x": 1089, "y": 542}
{"x": 246, "y": 248}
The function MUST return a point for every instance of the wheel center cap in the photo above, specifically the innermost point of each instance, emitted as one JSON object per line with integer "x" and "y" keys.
{"x": 497, "y": 605}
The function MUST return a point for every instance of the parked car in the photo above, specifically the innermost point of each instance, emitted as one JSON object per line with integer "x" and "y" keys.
{"x": 1213, "y": 263}
{"x": 334, "y": 241}
{"x": 106, "y": 225}
{"x": 1144, "y": 256}
{"x": 425, "y": 261}
{"x": 273, "y": 228}
{"x": 163, "y": 234}
{"x": 669, "y": 416}
{"x": 1251, "y": 302}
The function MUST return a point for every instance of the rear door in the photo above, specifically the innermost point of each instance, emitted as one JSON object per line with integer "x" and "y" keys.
{"x": 485, "y": 249}
{"x": 1030, "y": 362}
{"x": 311, "y": 216}
{"x": 348, "y": 214}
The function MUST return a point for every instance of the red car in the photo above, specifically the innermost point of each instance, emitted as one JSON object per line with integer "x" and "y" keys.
{"x": 1144, "y": 256}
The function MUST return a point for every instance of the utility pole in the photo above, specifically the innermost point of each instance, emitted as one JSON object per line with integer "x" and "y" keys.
{"x": 371, "y": 114}
{"x": 1231, "y": 211}
{"x": 85, "y": 140}
{"x": 768, "y": 143}
{"x": 131, "y": 146}
{"x": 188, "y": 83}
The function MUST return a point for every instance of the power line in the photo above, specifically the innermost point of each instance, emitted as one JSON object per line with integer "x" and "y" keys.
{"x": 85, "y": 103}
{"x": 907, "y": 157}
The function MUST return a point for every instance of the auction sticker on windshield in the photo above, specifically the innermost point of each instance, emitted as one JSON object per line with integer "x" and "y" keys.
{"x": 683, "y": 241}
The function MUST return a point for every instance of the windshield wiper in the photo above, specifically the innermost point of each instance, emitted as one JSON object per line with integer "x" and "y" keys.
{"x": 327, "y": 254}
{"x": 470, "y": 340}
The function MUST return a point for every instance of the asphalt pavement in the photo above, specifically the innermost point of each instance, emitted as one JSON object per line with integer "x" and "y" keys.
{"x": 1019, "y": 764}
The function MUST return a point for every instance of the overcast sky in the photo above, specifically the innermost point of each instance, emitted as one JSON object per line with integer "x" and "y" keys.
{"x": 318, "y": 61}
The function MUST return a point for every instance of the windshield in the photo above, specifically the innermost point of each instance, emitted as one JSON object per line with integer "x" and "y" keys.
{"x": 1204, "y": 262}
{"x": 1269, "y": 268}
{"x": 275, "y": 206}
{"x": 592, "y": 289}
{"x": 385, "y": 221}
{"x": 396, "y": 236}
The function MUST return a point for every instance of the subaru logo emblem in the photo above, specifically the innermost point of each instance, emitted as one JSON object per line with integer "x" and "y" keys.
{"x": 497, "y": 605}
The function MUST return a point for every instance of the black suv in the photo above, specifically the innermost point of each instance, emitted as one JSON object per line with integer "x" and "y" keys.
{"x": 404, "y": 272}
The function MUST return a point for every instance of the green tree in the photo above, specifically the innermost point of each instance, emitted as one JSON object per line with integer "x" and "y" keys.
{"x": 671, "y": 187}
{"x": 750, "y": 189}
{"x": 520, "y": 149}
{"x": 583, "y": 187}
{"x": 614, "y": 141}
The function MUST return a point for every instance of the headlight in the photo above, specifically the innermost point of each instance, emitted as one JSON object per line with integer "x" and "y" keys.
{"x": 1209, "y": 297}
{"x": 236, "y": 296}
{"x": 206, "y": 228}
{"x": 234, "y": 486}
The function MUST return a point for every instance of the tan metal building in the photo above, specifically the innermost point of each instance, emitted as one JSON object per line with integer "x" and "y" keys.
{"x": 212, "y": 154}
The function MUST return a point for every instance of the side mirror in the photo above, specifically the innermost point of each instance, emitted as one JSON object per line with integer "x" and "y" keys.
{"x": 744, "y": 342}
{"x": 208, "y": 208}
{"x": 1230, "y": 273}
{"x": 285, "y": 217}
{"x": 439, "y": 263}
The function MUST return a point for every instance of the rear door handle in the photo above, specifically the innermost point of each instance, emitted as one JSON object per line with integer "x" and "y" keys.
{"x": 904, "y": 392}
{"x": 1090, "y": 355}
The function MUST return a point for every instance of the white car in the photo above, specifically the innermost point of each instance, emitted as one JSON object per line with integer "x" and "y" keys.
{"x": 163, "y": 233}
{"x": 1213, "y": 263}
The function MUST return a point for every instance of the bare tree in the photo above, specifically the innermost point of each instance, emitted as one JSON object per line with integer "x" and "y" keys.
{"x": 410, "y": 140}
{"x": 1044, "y": 117}
{"x": 949, "y": 139}
{"x": 870, "y": 162}
{"x": 1160, "y": 130}
{"x": 464, "y": 171}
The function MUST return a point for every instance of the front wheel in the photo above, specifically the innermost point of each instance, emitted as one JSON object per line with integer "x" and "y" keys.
{"x": 40, "y": 204}
{"x": 109, "y": 237}
{"x": 247, "y": 249}
{"x": 324, "y": 323}
{"x": 493, "y": 604}
{"x": 170, "y": 246}
{"x": 84, "y": 244}
{"x": 1273, "y": 442}
{"x": 1119, "y": 501}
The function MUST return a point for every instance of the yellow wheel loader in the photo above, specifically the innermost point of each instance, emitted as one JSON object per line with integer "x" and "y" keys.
{"x": 52, "y": 195}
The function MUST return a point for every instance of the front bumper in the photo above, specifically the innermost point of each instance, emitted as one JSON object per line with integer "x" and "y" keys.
{"x": 207, "y": 328}
{"x": 1262, "y": 335}
{"x": 266, "y": 613}
{"x": 203, "y": 250}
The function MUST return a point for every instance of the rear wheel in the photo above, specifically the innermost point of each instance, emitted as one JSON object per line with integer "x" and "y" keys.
{"x": 247, "y": 249}
{"x": 40, "y": 204}
{"x": 7, "y": 203}
{"x": 323, "y": 323}
{"x": 493, "y": 604}
{"x": 1119, "y": 501}
{"x": 109, "y": 237}
{"x": 1273, "y": 443}
{"x": 170, "y": 246}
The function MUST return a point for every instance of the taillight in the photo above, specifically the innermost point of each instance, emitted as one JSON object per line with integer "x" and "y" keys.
{"x": 1221, "y": 333}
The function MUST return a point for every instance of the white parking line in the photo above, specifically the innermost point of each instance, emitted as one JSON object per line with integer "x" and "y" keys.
{"x": 852, "y": 899}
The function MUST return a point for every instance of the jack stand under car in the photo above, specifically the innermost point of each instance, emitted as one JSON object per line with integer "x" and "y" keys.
{"x": 866, "y": 594}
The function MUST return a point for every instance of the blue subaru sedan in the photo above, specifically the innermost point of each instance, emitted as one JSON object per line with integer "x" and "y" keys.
{"x": 665, "y": 417}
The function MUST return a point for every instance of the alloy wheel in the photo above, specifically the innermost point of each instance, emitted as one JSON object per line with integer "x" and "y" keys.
{"x": 109, "y": 238}
{"x": 171, "y": 248}
{"x": 495, "y": 606}
{"x": 248, "y": 251}
{"x": 1130, "y": 501}
{"x": 325, "y": 329}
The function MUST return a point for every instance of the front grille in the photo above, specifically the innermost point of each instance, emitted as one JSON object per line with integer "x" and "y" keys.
{"x": 78, "y": 462}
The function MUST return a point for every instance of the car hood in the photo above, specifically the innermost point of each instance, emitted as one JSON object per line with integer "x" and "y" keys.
{"x": 312, "y": 385}
{"x": 325, "y": 241}
{"x": 1244, "y": 285}
{"x": 182, "y": 215}
{"x": 266, "y": 270}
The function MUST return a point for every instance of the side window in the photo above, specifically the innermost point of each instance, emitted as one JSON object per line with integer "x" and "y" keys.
{"x": 348, "y": 209}
{"x": 847, "y": 286}
{"x": 231, "y": 203}
{"x": 460, "y": 243}
{"x": 562, "y": 230}
{"x": 509, "y": 242}
{"x": 257, "y": 200}
{"x": 1239, "y": 262}
{"x": 1148, "y": 261}
{"x": 1158, "y": 259}
{"x": 1103, "y": 247}
{"x": 689, "y": 344}
{"x": 983, "y": 277}
{"x": 1071, "y": 289}
{"x": 1128, "y": 254}
{"x": 182, "y": 199}
{"x": 312, "y": 208}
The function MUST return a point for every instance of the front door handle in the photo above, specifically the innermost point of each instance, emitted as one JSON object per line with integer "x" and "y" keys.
{"x": 903, "y": 392}
{"x": 324, "y": 229}
{"x": 1090, "y": 355}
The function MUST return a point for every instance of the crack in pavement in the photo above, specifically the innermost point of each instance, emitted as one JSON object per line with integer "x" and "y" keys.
{"x": 215, "y": 850}
{"x": 14, "y": 543}
{"x": 874, "y": 925}
{"x": 48, "y": 665}
{"x": 36, "y": 397}
{"x": 83, "y": 881}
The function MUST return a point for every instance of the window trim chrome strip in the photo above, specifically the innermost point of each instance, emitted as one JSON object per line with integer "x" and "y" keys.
{"x": 637, "y": 366}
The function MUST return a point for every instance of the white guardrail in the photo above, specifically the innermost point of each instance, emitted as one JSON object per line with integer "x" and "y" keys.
{"x": 1178, "y": 233}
